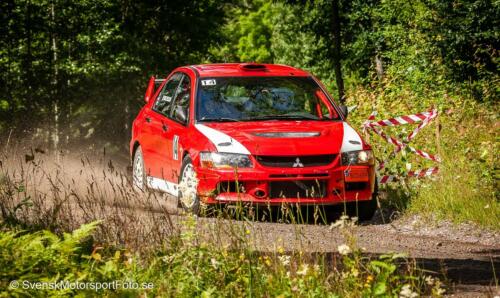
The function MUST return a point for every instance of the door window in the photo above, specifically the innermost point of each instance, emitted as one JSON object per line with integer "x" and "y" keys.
{"x": 180, "y": 109}
{"x": 164, "y": 100}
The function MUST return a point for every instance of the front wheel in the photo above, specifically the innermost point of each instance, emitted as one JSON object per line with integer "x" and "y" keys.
{"x": 188, "y": 187}
{"x": 138, "y": 171}
{"x": 365, "y": 210}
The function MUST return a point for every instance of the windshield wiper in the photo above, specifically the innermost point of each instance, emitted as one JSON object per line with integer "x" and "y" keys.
{"x": 220, "y": 119}
{"x": 278, "y": 117}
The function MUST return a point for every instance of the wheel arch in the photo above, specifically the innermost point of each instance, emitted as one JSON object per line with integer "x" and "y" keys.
{"x": 134, "y": 149}
{"x": 186, "y": 153}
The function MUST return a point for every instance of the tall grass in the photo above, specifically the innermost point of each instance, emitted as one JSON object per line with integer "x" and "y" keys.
{"x": 60, "y": 196}
{"x": 188, "y": 267}
{"x": 139, "y": 240}
{"x": 457, "y": 195}
{"x": 466, "y": 189}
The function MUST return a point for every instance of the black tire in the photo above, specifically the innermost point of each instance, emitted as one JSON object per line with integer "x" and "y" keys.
{"x": 331, "y": 213}
{"x": 139, "y": 181}
{"x": 193, "y": 203}
{"x": 365, "y": 210}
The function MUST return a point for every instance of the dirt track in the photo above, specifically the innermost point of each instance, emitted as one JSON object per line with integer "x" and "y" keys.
{"x": 469, "y": 256}
{"x": 467, "y": 262}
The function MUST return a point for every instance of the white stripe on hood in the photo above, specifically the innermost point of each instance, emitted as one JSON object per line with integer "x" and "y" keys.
{"x": 351, "y": 140}
{"x": 222, "y": 141}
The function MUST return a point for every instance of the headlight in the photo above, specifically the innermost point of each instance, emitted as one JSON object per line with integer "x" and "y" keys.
{"x": 224, "y": 160}
{"x": 363, "y": 157}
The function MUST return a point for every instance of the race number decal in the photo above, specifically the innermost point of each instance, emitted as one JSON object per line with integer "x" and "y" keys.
{"x": 208, "y": 82}
{"x": 175, "y": 148}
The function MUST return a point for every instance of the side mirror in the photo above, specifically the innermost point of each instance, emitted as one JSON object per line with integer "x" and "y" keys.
{"x": 344, "y": 110}
{"x": 180, "y": 114}
{"x": 150, "y": 90}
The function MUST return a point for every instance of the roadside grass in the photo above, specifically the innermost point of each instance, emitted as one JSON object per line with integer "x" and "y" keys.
{"x": 42, "y": 239}
{"x": 41, "y": 205}
{"x": 459, "y": 198}
{"x": 188, "y": 267}
{"x": 466, "y": 190}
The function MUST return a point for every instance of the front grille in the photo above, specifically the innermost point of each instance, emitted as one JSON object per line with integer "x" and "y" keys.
{"x": 297, "y": 189}
{"x": 230, "y": 186}
{"x": 355, "y": 186}
{"x": 314, "y": 175}
{"x": 295, "y": 161}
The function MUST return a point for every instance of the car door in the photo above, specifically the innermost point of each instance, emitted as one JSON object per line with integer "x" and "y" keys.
{"x": 179, "y": 119}
{"x": 157, "y": 142}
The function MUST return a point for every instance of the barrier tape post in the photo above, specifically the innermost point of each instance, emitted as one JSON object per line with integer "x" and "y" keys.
{"x": 423, "y": 119}
{"x": 365, "y": 131}
{"x": 438, "y": 137}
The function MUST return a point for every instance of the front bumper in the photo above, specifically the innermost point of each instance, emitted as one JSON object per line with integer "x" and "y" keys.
{"x": 322, "y": 185}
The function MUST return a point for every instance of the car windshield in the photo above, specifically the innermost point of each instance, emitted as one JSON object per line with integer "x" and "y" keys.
{"x": 225, "y": 99}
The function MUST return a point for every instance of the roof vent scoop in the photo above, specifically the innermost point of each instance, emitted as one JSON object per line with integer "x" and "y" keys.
{"x": 252, "y": 66}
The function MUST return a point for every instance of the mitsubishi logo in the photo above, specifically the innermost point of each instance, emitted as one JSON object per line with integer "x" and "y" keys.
{"x": 298, "y": 164}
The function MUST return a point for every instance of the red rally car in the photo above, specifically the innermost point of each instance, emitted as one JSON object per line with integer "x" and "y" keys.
{"x": 257, "y": 133}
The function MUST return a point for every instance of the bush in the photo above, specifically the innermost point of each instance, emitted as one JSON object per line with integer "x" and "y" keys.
{"x": 187, "y": 267}
{"x": 466, "y": 189}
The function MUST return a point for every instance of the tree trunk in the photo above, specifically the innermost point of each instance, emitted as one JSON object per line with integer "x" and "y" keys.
{"x": 29, "y": 55}
{"x": 337, "y": 50}
{"x": 55, "y": 93}
{"x": 67, "y": 105}
{"x": 379, "y": 67}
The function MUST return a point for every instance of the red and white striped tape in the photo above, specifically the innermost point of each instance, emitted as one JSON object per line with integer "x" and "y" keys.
{"x": 432, "y": 115}
{"x": 401, "y": 120}
{"x": 424, "y": 172}
{"x": 400, "y": 145}
{"x": 424, "y": 118}
{"x": 418, "y": 174}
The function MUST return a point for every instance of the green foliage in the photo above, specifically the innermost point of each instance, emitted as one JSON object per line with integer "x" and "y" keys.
{"x": 466, "y": 190}
{"x": 60, "y": 57}
{"x": 4, "y": 105}
{"x": 422, "y": 44}
{"x": 255, "y": 30}
{"x": 190, "y": 268}
{"x": 296, "y": 43}
{"x": 67, "y": 64}
{"x": 41, "y": 256}
{"x": 467, "y": 37}
{"x": 410, "y": 55}
{"x": 247, "y": 33}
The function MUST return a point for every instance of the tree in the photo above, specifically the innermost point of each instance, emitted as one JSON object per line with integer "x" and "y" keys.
{"x": 337, "y": 42}
{"x": 66, "y": 63}
{"x": 247, "y": 34}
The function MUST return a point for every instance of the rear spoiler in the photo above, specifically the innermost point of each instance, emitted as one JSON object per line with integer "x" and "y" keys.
{"x": 153, "y": 84}
{"x": 158, "y": 82}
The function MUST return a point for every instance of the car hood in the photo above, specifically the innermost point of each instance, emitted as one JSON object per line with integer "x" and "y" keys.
{"x": 282, "y": 137}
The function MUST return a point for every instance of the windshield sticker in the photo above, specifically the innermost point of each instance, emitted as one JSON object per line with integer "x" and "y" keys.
{"x": 208, "y": 82}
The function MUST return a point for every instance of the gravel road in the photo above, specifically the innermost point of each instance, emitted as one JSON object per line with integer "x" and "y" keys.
{"x": 468, "y": 256}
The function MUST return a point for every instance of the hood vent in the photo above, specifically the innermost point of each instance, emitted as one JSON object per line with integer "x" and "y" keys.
{"x": 287, "y": 134}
